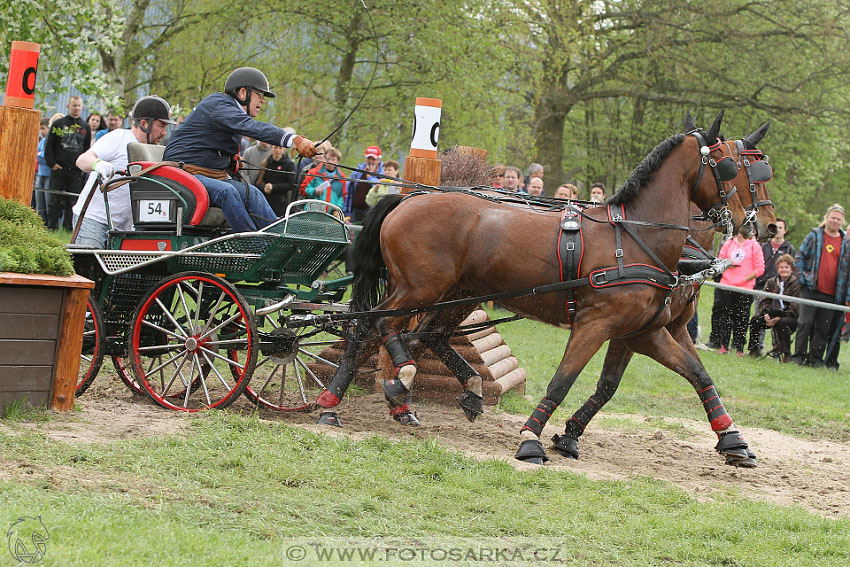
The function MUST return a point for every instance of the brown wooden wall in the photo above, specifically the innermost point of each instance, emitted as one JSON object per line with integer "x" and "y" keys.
{"x": 29, "y": 329}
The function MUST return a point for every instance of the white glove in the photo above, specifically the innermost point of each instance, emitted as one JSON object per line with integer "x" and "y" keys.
{"x": 104, "y": 169}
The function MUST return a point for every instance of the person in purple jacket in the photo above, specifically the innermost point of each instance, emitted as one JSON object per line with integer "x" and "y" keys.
{"x": 211, "y": 136}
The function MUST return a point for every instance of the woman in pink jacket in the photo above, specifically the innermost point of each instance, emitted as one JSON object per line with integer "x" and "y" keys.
{"x": 733, "y": 313}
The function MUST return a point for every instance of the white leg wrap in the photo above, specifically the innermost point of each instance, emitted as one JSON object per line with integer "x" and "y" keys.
{"x": 526, "y": 434}
{"x": 406, "y": 374}
{"x": 730, "y": 428}
{"x": 474, "y": 385}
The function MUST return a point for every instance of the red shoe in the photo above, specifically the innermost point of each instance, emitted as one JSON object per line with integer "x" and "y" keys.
{"x": 740, "y": 353}
{"x": 723, "y": 350}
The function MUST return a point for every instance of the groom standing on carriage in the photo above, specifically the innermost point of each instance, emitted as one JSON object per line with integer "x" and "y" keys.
{"x": 209, "y": 139}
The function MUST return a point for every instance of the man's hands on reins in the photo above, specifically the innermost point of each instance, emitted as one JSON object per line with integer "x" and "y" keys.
{"x": 304, "y": 146}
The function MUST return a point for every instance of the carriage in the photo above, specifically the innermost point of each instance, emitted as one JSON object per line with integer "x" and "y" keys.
{"x": 193, "y": 315}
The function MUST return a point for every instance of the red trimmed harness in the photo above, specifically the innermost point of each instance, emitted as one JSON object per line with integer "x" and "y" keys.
{"x": 570, "y": 250}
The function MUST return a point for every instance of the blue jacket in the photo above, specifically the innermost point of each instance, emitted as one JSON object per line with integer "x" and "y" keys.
{"x": 807, "y": 263}
{"x": 43, "y": 168}
{"x": 212, "y": 134}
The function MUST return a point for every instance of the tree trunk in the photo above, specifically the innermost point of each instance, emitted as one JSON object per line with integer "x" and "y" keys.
{"x": 550, "y": 117}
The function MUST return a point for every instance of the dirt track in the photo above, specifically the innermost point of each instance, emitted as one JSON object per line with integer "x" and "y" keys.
{"x": 792, "y": 471}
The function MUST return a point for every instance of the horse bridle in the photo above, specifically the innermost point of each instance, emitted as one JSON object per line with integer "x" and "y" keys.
{"x": 724, "y": 170}
{"x": 758, "y": 171}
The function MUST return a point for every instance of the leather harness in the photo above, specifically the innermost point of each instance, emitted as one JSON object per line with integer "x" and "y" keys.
{"x": 571, "y": 251}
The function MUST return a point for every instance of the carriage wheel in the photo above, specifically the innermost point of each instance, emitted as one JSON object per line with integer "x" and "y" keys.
{"x": 181, "y": 334}
{"x": 292, "y": 373}
{"x": 91, "y": 357}
{"x": 126, "y": 376}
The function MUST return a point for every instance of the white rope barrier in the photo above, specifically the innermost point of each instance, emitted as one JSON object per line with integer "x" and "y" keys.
{"x": 789, "y": 298}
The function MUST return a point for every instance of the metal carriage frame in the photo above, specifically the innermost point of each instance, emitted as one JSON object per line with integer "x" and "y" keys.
{"x": 189, "y": 319}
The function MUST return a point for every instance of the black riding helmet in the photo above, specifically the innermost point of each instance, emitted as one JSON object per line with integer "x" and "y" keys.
{"x": 151, "y": 108}
{"x": 251, "y": 79}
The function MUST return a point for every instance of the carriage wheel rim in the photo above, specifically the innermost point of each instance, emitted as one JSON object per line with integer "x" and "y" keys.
{"x": 95, "y": 360}
{"x": 181, "y": 357}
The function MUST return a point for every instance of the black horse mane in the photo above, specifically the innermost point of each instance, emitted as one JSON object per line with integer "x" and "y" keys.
{"x": 641, "y": 174}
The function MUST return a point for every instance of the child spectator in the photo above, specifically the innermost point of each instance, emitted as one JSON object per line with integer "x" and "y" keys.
{"x": 733, "y": 312}
{"x": 42, "y": 174}
{"x": 779, "y": 315}
{"x": 328, "y": 184}
{"x": 381, "y": 190}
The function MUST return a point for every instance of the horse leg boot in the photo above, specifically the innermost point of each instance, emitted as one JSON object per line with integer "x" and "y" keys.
{"x": 575, "y": 358}
{"x": 397, "y": 389}
{"x": 661, "y": 346}
{"x": 358, "y": 349}
{"x": 471, "y": 401}
{"x": 616, "y": 360}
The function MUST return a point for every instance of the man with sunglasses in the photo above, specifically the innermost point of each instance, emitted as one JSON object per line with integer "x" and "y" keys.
{"x": 209, "y": 139}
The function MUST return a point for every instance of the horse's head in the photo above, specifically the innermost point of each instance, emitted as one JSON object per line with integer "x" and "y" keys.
{"x": 754, "y": 172}
{"x": 716, "y": 168}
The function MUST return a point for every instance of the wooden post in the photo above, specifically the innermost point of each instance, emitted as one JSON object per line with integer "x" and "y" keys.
{"x": 19, "y": 124}
{"x": 18, "y": 145}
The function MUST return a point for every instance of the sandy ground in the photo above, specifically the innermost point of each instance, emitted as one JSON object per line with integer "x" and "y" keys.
{"x": 791, "y": 471}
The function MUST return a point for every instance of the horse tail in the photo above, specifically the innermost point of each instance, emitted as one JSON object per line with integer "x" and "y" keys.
{"x": 369, "y": 279}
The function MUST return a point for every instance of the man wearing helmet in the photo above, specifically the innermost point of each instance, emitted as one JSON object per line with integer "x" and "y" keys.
{"x": 210, "y": 137}
{"x": 149, "y": 119}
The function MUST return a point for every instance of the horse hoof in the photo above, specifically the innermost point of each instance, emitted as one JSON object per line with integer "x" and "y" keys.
{"x": 407, "y": 418}
{"x": 743, "y": 463}
{"x": 329, "y": 418}
{"x": 731, "y": 444}
{"x": 531, "y": 451}
{"x": 471, "y": 404}
{"x": 566, "y": 446}
{"x": 395, "y": 391}
{"x": 747, "y": 462}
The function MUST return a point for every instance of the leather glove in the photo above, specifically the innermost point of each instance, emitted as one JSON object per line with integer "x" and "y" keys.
{"x": 104, "y": 169}
{"x": 304, "y": 146}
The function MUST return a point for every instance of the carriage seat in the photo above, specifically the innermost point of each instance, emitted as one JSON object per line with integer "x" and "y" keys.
{"x": 157, "y": 196}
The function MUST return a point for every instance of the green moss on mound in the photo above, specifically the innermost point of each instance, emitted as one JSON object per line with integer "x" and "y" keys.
{"x": 26, "y": 246}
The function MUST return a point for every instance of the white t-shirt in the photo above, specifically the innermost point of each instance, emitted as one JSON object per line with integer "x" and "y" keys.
{"x": 112, "y": 147}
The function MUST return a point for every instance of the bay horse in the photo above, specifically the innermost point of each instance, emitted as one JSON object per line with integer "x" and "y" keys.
{"x": 451, "y": 246}
{"x": 683, "y": 301}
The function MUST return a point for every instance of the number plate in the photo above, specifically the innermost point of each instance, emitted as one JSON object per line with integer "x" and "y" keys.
{"x": 154, "y": 211}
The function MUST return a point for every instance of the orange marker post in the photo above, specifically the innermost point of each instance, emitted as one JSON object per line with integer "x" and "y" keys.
{"x": 19, "y": 124}
{"x": 422, "y": 164}
{"x": 23, "y": 67}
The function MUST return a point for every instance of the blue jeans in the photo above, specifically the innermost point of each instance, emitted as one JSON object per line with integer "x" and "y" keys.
{"x": 40, "y": 197}
{"x": 243, "y": 215}
{"x": 92, "y": 233}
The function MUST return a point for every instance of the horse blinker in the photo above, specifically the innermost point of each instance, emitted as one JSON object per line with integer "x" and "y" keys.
{"x": 727, "y": 168}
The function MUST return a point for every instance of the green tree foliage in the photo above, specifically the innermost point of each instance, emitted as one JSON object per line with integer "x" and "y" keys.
{"x": 71, "y": 33}
{"x": 585, "y": 87}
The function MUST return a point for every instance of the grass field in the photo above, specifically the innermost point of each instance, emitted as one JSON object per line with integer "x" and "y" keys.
{"x": 234, "y": 490}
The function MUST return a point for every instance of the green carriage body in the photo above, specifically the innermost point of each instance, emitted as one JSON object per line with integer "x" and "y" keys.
{"x": 285, "y": 259}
